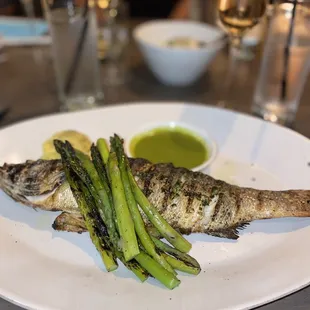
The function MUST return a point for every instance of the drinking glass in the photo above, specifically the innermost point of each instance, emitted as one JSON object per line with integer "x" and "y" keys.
{"x": 3, "y": 106}
{"x": 29, "y": 9}
{"x": 237, "y": 17}
{"x": 2, "y": 52}
{"x": 113, "y": 40}
{"x": 285, "y": 64}
{"x": 73, "y": 27}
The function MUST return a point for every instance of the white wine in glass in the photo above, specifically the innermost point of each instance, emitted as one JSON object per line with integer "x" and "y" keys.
{"x": 237, "y": 17}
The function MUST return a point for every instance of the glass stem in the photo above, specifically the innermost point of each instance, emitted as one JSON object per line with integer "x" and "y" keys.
{"x": 235, "y": 45}
{"x": 30, "y": 13}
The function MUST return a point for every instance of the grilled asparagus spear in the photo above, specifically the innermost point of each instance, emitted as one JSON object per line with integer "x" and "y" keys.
{"x": 96, "y": 228}
{"x": 176, "y": 239}
{"x": 142, "y": 233}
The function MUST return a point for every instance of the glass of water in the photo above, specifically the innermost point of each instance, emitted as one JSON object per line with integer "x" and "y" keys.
{"x": 285, "y": 64}
{"x": 73, "y": 27}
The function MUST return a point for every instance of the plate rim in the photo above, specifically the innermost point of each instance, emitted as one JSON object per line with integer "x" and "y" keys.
{"x": 150, "y": 102}
{"x": 274, "y": 297}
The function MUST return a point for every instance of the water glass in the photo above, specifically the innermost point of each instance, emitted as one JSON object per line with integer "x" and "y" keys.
{"x": 73, "y": 27}
{"x": 285, "y": 65}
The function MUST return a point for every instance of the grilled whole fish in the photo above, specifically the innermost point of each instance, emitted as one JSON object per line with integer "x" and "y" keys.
{"x": 190, "y": 201}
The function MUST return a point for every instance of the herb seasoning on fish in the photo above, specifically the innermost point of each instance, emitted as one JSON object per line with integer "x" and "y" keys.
{"x": 174, "y": 145}
{"x": 189, "y": 201}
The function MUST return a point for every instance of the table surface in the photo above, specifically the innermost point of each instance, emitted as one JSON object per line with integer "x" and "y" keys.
{"x": 27, "y": 86}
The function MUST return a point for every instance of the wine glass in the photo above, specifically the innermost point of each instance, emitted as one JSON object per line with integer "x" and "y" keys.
{"x": 28, "y": 6}
{"x": 3, "y": 58}
{"x": 113, "y": 41}
{"x": 237, "y": 17}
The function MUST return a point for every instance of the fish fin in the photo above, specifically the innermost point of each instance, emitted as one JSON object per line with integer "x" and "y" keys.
{"x": 19, "y": 198}
{"x": 229, "y": 233}
{"x": 70, "y": 222}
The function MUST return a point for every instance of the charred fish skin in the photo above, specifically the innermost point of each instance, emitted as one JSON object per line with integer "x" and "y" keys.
{"x": 195, "y": 202}
{"x": 192, "y": 202}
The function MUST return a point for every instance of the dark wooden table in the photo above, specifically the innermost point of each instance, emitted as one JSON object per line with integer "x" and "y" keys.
{"x": 27, "y": 86}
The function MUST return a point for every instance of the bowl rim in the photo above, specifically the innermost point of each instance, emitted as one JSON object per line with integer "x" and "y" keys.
{"x": 214, "y": 44}
{"x": 204, "y": 136}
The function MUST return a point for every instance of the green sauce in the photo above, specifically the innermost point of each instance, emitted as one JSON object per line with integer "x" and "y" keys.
{"x": 174, "y": 145}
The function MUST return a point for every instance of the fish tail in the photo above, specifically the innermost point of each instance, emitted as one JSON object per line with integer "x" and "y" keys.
{"x": 277, "y": 204}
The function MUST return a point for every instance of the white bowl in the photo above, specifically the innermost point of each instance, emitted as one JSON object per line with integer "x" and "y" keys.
{"x": 177, "y": 66}
{"x": 203, "y": 135}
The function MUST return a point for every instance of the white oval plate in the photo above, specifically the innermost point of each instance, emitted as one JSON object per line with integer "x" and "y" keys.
{"x": 44, "y": 269}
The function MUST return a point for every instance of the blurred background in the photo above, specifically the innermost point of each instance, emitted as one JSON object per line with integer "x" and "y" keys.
{"x": 130, "y": 70}
{"x": 137, "y": 8}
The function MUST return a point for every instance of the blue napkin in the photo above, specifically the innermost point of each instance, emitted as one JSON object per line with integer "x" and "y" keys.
{"x": 21, "y": 27}
{"x": 21, "y": 30}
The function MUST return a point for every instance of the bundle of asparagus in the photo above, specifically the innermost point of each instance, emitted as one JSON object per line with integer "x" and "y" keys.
{"x": 111, "y": 203}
